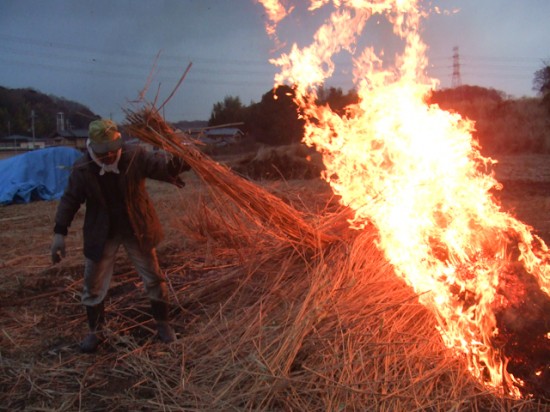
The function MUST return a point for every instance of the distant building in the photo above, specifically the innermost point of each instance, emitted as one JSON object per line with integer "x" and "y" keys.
{"x": 218, "y": 137}
{"x": 70, "y": 137}
{"x": 20, "y": 142}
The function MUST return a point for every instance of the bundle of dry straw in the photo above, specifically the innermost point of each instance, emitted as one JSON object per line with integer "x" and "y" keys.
{"x": 258, "y": 204}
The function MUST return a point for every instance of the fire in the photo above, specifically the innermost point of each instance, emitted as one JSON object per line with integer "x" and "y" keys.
{"x": 415, "y": 172}
{"x": 276, "y": 12}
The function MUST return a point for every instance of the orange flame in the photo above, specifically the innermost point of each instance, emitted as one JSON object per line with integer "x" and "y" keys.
{"x": 275, "y": 13}
{"x": 415, "y": 172}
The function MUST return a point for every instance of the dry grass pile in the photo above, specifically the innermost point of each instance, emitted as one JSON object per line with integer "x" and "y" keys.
{"x": 261, "y": 326}
{"x": 294, "y": 161}
{"x": 295, "y": 318}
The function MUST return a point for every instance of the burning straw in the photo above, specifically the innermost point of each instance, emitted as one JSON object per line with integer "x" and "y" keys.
{"x": 258, "y": 204}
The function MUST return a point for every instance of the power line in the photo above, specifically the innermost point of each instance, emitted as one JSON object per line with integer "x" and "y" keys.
{"x": 70, "y": 53}
{"x": 215, "y": 71}
{"x": 205, "y": 81}
{"x": 122, "y": 54}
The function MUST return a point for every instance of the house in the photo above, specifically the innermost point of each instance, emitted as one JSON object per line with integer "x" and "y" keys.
{"x": 218, "y": 136}
{"x": 225, "y": 133}
{"x": 70, "y": 137}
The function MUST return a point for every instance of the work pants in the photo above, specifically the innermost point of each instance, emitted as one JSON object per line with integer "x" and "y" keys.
{"x": 97, "y": 275}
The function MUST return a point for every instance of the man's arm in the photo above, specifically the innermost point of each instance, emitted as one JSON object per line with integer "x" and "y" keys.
{"x": 69, "y": 204}
{"x": 73, "y": 197}
{"x": 165, "y": 167}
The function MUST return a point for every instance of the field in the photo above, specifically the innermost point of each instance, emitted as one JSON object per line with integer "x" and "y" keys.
{"x": 259, "y": 327}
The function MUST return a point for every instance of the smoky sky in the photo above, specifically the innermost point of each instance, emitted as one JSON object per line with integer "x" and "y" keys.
{"x": 102, "y": 53}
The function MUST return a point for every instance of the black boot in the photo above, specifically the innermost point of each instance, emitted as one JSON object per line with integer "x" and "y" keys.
{"x": 96, "y": 319}
{"x": 159, "y": 310}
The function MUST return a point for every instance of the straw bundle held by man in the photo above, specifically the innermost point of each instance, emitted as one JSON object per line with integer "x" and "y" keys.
{"x": 257, "y": 203}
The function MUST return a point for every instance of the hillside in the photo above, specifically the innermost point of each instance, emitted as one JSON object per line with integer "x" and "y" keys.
{"x": 18, "y": 105}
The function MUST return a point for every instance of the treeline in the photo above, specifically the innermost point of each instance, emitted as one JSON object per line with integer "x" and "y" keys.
{"x": 502, "y": 124}
{"x": 18, "y": 105}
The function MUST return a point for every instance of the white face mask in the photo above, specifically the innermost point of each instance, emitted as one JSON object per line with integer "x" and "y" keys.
{"x": 103, "y": 168}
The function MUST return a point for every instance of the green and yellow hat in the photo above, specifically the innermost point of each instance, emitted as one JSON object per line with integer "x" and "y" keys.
{"x": 104, "y": 136}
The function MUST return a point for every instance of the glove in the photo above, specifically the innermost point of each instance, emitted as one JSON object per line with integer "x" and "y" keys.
{"x": 176, "y": 165}
{"x": 58, "y": 248}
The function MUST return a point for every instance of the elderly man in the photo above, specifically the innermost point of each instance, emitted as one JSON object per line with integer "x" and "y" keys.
{"x": 110, "y": 180}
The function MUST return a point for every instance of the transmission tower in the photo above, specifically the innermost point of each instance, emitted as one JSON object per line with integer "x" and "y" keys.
{"x": 457, "y": 81}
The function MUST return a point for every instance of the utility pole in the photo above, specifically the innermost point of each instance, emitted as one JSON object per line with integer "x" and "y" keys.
{"x": 60, "y": 122}
{"x": 456, "y": 81}
{"x": 32, "y": 128}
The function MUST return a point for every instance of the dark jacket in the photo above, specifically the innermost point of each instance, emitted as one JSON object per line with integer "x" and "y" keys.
{"x": 135, "y": 165}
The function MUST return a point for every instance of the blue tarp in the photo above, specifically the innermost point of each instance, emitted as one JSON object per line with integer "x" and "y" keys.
{"x": 37, "y": 175}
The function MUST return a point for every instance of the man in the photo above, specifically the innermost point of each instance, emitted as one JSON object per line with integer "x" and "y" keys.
{"x": 110, "y": 180}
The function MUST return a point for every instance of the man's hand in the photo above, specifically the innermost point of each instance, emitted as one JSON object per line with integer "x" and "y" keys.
{"x": 176, "y": 165}
{"x": 58, "y": 248}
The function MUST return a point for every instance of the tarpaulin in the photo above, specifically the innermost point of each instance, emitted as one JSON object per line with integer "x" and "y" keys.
{"x": 37, "y": 175}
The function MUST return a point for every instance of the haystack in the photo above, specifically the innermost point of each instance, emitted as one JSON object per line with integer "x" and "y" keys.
{"x": 295, "y": 161}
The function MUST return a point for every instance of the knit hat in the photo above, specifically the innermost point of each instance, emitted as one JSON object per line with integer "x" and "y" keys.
{"x": 104, "y": 136}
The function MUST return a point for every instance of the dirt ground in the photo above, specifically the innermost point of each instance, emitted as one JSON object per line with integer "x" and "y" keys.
{"x": 35, "y": 295}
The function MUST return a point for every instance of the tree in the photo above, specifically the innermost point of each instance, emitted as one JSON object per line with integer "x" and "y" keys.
{"x": 465, "y": 93}
{"x": 231, "y": 110}
{"x": 336, "y": 99}
{"x": 275, "y": 120}
{"x": 541, "y": 83}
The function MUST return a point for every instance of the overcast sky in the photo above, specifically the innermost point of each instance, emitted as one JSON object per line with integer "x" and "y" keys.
{"x": 100, "y": 53}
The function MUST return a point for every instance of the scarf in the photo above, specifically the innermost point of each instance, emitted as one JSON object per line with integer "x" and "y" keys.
{"x": 103, "y": 168}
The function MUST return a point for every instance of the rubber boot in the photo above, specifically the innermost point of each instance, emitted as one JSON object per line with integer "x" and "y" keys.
{"x": 96, "y": 319}
{"x": 159, "y": 310}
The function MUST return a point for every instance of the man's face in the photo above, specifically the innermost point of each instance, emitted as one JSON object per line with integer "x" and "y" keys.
{"x": 107, "y": 157}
